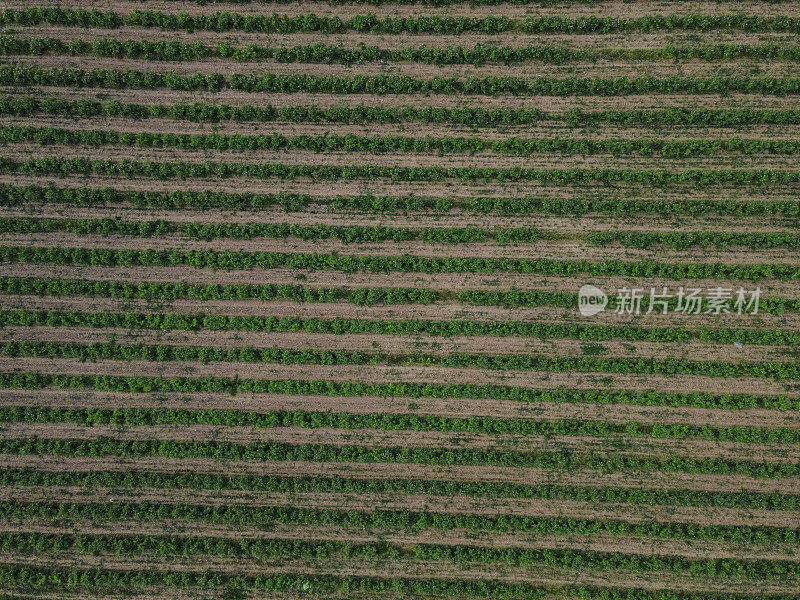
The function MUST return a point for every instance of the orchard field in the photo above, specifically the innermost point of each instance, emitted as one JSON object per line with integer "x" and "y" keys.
{"x": 289, "y": 300}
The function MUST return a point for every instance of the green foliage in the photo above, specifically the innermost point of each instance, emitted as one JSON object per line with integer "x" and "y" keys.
{"x": 183, "y": 170}
{"x": 207, "y": 231}
{"x": 406, "y": 264}
{"x": 133, "y": 417}
{"x": 381, "y": 144}
{"x": 682, "y": 240}
{"x": 168, "y": 291}
{"x": 477, "y": 55}
{"x": 137, "y": 545}
{"x": 221, "y": 385}
{"x": 267, "y": 451}
{"x": 404, "y": 520}
{"x": 369, "y": 23}
{"x": 461, "y": 115}
{"x": 395, "y": 84}
{"x": 215, "y": 322}
{"x": 360, "y": 486}
{"x": 499, "y": 362}
{"x": 38, "y": 578}
{"x": 12, "y": 195}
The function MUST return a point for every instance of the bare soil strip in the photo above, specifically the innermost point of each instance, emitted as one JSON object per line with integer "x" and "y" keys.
{"x": 449, "y": 407}
{"x": 401, "y": 345}
{"x": 530, "y": 476}
{"x": 381, "y": 374}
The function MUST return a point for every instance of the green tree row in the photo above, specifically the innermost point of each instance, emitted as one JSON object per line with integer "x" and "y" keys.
{"x": 233, "y": 386}
{"x": 682, "y": 240}
{"x": 370, "y": 172}
{"x": 207, "y": 231}
{"x": 461, "y": 115}
{"x": 15, "y": 195}
{"x": 360, "y": 486}
{"x": 515, "y": 146}
{"x": 214, "y": 322}
{"x": 227, "y": 260}
{"x": 369, "y": 23}
{"x": 166, "y": 546}
{"x": 168, "y": 291}
{"x": 52, "y": 578}
{"x": 494, "y": 362}
{"x": 394, "y": 519}
{"x": 477, "y": 55}
{"x": 379, "y": 233}
{"x": 19, "y": 75}
{"x": 134, "y": 417}
{"x": 267, "y": 451}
